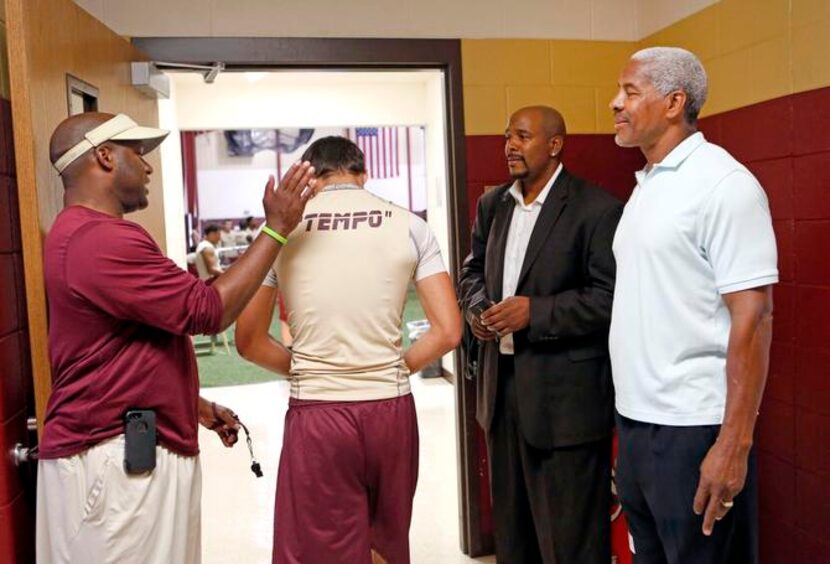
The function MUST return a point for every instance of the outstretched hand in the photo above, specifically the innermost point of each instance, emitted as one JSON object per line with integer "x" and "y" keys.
{"x": 284, "y": 206}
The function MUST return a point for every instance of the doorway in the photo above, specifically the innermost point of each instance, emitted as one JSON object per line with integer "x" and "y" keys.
{"x": 267, "y": 54}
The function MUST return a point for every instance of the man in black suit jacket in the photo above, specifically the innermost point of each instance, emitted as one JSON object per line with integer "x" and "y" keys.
{"x": 541, "y": 251}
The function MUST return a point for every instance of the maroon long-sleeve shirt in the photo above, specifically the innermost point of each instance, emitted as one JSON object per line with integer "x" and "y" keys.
{"x": 120, "y": 314}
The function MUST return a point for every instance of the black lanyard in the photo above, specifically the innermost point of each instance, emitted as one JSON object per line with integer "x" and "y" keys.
{"x": 255, "y": 467}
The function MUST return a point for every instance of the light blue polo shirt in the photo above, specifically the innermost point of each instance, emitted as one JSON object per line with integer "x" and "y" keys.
{"x": 697, "y": 226}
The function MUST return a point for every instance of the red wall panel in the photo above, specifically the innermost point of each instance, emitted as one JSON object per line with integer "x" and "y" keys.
{"x": 12, "y": 482}
{"x": 8, "y": 221}
{"x": 812, "y": 389}
{"x": 598, "y": 158}
{"x": 781, "y": 379}
{"x": 808, "y": 549}
{"x": 17, "y": 484}
{"x": 811, "y": 116}
{"x": 812, "y": 506}
{"x": 778, "y": 541}
{"x": 783, "y": 324}
{"x": 9, "y": 314}
{"x": 811, "y": 185}
{"x": 13, "y": 389}
{"x": 776, "y": 176}
{"x": 16, "y": 543}
{"x": 760, "y": 131}
{"x": 785, "y": 238}
{"x": 776, "y": 429}
{"x": 813, "y": 313}
{"x": 485, "y": 160}
{"x": 6, "y": 140}
{"x": 812, "y": 251}
{"x": 593, "y": 157}
{"x": 813, "y": 452}
{"x": 786, "y": 143}
{"x": 777, "y": 481}
{"x": 711, "y": 129}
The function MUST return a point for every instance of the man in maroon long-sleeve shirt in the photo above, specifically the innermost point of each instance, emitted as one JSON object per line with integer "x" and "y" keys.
{"x": 120, "y": 316}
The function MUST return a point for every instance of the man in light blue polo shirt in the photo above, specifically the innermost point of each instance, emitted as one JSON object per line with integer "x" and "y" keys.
{"x": 691, "y": 323}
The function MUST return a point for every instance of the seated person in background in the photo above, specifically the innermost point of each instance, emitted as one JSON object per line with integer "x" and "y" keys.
{"x": 195, "y": 239}
{"x": 207, "y": 259}
{"x": 227, "y": 236}
{"x": 349, "y": 462}
{"x": 248, "y": 230}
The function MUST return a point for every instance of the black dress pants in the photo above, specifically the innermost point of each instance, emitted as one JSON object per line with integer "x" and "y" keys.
{"x": 658, "y": 470}
{"x": 549, "y": 505}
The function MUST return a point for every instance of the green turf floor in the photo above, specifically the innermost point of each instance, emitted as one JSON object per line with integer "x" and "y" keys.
{"x": 221, "y": 369}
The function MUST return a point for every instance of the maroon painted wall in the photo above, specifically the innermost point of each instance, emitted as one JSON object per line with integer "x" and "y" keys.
{"x": 16, "y": 484}
{"x": 786, "y": 143}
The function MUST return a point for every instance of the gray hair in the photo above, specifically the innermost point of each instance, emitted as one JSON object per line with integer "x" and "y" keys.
{"x": 673, "y": 68}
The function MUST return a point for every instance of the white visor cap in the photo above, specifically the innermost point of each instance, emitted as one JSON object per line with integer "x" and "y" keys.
{"x": 119, "y": 128}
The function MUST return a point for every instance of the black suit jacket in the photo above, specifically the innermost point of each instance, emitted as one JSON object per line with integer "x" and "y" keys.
{"x": 562, "y": 369}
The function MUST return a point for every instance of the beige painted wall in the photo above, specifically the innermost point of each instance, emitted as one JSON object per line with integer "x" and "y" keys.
{"x": 576, "y": 77}
{"x": 756, "y": 50}
{"x": 753, "y": 50}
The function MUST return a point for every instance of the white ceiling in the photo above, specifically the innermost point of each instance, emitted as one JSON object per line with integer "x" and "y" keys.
{"x": 613, "y": 20}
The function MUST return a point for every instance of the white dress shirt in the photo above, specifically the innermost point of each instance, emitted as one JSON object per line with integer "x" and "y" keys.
{"x": 518, "y": 237}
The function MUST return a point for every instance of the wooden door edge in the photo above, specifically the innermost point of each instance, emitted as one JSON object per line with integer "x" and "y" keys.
{"x": 30, "y": 229}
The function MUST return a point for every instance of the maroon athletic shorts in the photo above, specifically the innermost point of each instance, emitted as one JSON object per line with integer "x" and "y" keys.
{"x": 347, "y": 476}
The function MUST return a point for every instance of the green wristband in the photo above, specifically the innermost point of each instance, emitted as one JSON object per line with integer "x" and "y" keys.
{"x": 274, "y": 235}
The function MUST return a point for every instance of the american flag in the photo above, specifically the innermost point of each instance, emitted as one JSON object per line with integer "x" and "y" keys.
{"x": 380, "y": 146}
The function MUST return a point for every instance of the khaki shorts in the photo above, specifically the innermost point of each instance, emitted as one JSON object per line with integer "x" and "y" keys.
{"x": 90, "y": 511}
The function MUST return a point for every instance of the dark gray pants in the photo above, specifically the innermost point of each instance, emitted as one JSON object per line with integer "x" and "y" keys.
{"x": 549, "y": 505}
{"x": 658, "y": 469}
